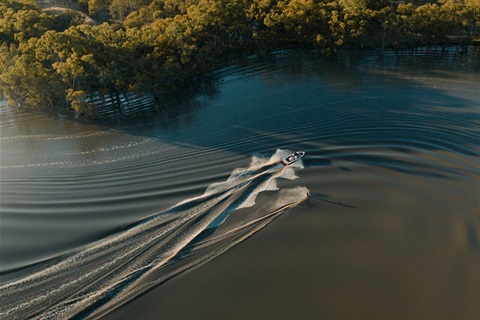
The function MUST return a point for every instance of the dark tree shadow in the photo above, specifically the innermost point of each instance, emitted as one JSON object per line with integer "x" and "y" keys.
{"x": 294, "y": 99}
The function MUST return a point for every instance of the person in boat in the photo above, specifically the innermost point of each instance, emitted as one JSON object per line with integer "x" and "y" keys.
{"x": 293, "y": 157}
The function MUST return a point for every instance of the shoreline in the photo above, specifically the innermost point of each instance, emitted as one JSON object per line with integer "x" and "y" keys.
{"x": 175, "y": 47}
{"x": 200, "y": 84}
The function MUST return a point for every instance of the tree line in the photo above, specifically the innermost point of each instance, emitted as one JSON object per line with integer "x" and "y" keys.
{"x": 60, "y": 60}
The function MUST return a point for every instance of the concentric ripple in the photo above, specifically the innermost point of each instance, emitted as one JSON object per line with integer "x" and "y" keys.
{"x": 94, "y": 214}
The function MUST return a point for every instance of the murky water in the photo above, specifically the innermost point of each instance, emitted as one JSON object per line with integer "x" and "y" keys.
{"x": 95, "y": 214}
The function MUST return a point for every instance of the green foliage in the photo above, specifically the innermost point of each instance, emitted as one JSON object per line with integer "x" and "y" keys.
{"x": 25, "y": 80}
{"x": 97, "y": 6}
{"x": 20, "y": 21}
{"x": 149, "y": 45}
{"x": 18, "y": 5}
{"x": 66, "y": 19}
{"x": 119, "y": 9}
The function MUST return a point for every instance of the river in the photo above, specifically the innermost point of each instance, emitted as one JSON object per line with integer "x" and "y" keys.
{"x": 184, "y": 211}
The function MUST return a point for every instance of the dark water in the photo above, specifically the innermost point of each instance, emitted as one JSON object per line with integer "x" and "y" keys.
{"x": 96, "y": 214}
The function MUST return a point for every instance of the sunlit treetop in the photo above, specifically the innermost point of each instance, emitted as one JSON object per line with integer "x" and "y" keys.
{"x": 51, "y": 60}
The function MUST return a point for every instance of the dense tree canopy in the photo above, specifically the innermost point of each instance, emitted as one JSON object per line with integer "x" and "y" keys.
{"x": 60, "y": 60}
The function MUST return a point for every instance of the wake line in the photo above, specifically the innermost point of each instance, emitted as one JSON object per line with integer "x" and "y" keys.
{"x": 104, "y": 275}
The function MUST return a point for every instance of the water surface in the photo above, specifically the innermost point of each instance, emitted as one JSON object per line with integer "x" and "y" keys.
{"x": 391, "y": 228}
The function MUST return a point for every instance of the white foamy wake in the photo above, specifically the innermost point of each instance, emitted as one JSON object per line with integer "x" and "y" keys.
{"x": 93, "y": 280}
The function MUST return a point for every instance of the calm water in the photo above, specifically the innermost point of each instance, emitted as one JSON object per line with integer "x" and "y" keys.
{"x": 95, "y": 214}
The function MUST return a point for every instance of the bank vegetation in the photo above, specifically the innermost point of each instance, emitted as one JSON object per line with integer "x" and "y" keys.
{"x": 54, "y": 58}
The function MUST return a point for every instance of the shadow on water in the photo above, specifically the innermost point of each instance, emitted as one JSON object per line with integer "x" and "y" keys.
{"x": 402, "y": 102}
{"x": 354, "y": 109}
{"x": 314, "y": 197}
{"x": 399, "y": 101}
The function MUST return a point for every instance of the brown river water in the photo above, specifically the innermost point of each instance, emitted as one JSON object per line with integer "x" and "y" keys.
{"x": 183, "y": 211}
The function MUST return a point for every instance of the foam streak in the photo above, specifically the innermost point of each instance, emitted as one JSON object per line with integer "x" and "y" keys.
{"x": 104, "y": 275}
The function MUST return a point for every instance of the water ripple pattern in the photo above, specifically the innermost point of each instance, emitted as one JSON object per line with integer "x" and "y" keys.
{"x": 392, "y": 146}
{"x": 101, "y": 276}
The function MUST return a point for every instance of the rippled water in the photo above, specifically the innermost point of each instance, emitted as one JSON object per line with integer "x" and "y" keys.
{"x": 95, "y": 214}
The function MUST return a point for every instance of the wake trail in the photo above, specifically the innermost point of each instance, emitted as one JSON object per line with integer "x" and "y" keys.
{"x": 100, "y": 277}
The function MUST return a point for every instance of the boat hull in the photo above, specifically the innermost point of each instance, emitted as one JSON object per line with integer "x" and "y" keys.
{"x": 293, "y": 157}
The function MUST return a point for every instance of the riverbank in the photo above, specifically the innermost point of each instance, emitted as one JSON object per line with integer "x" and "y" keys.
{"x": 390, "y": 229}
{"x": 62, "y": 62}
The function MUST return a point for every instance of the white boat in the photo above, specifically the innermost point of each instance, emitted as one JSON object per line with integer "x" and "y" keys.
{"x": 291, "y": 158}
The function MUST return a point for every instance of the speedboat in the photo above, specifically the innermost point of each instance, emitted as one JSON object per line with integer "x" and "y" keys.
{"x": 291, "y": 158}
